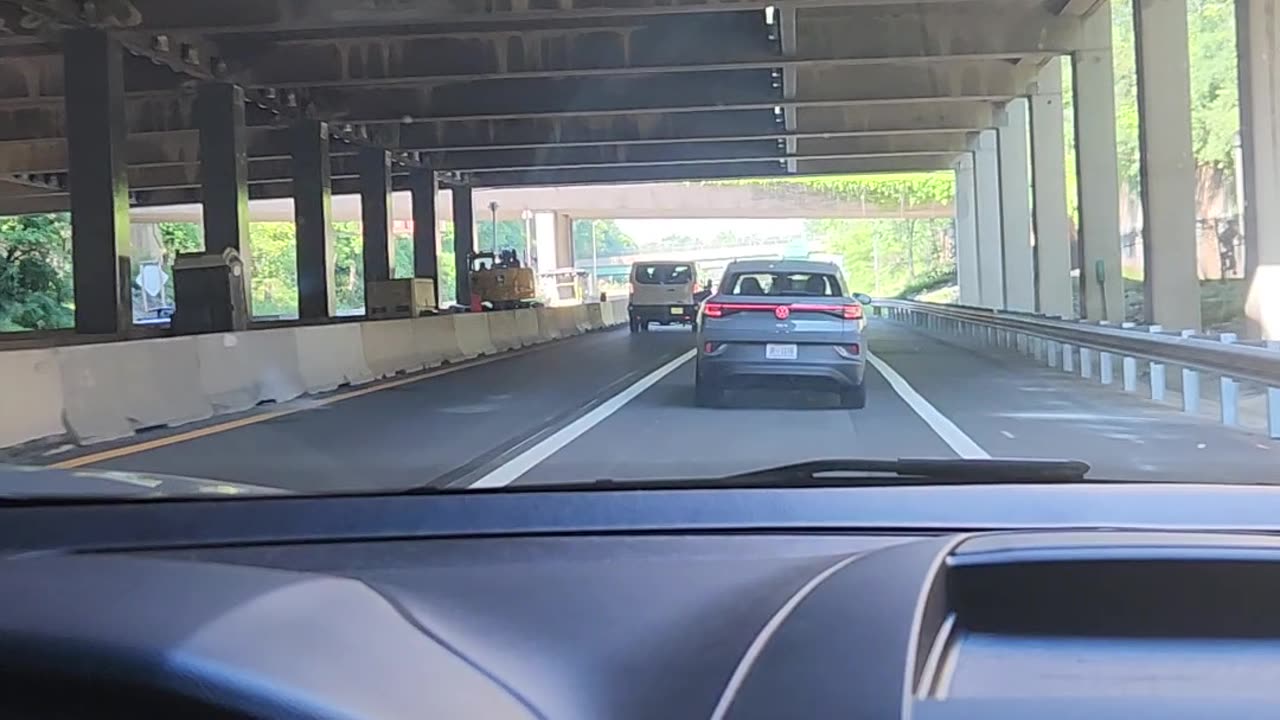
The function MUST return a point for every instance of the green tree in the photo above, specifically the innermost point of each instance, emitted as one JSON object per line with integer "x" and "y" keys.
{"x": 610, "y": 240}
{"x": 510, "y": 237}
{"x": 348, "y": 266}
{"x": 35, "y": 272}
{"x": 273, "y": 269}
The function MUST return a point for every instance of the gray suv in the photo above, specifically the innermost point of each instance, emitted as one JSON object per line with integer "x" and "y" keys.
{"x": 784, "y": 323}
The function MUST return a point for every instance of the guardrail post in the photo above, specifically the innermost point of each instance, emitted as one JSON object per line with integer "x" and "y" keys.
{"x": 1130, "y": 371}
{"x": 1190, "y": 385}
{"x": 1157, "y": 372}
{"x": 1052, "y": 353}
{"x": 1086, "y": 363}
{"x": 1068, "y": 358}
{"x": 1229, "y": 389}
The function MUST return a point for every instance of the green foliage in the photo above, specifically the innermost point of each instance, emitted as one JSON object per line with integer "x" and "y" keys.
{"x": 35, "y": 272}
{"x": 180, "y": 237}
{"x": 1215, "y": 116}
{"x": 885, "y": 257}
{"x": 1215, "y": 92}
{"x": 510, "y": 237}
{"x": 610, "y": 240}
{"x": 932, "y": 188}
{"x": 273, "y": 269}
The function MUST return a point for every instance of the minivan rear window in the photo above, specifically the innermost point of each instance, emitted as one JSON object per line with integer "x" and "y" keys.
{"x": 783, "y": 283}
{"x": 662, "y": 274}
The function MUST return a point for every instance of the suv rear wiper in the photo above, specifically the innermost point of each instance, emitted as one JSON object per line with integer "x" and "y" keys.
{"x": 865, "y": 473}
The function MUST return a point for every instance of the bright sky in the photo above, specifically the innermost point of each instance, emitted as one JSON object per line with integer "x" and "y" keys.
{"x": 646, "y": 231}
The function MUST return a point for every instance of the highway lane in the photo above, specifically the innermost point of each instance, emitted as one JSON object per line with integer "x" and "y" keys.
{"x": 1006, "y": 404}
{"x": 476, "y": 422}
{"x": 420, "y": 432}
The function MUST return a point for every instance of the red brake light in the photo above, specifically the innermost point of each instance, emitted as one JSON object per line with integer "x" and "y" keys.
{"x": 714, "y": 310}
{"x": 852, "y": 312}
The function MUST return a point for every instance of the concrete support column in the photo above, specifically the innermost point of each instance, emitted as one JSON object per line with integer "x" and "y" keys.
{"x": 1096, "y": 173}
{"x": 967, "y": 233}
{"x": 986, "y": 171}
{"x": 544, "y": 234}
{"x": 1172, "y": 283}
{"x": 375, "y": 213}
{"x": 313, "y": 217}
{"x": 1015, "y": 209}
{"x": 464, "y": 229}
{"x": 426, "y": 262}
{"x": 564, "y": 241}
{"x": 1049, "y": 190}
{"x": 224, "y": 167}
{"x": 93, "y": 74}
{"x": 1258, "y": 44}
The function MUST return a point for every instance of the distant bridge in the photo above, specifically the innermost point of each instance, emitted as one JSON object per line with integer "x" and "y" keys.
{"x": 781, "y": 199}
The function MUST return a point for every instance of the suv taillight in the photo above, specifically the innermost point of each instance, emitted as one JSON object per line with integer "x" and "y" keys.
{"x": 713, "y": 310}
{"x": 852, "y": 312}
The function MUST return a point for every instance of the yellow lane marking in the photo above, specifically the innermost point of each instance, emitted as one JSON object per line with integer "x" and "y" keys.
{"x": 273, "y": 414}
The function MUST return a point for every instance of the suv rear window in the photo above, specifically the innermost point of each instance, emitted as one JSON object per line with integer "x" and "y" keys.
{"x": 662, "y": 274}
{"x": 783, "y": 283}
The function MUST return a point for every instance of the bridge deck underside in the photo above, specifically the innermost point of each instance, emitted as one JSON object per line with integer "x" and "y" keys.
{"x": 604, "y": 91}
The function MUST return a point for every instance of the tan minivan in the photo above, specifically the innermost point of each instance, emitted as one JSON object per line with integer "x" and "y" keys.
{"x": 662, "y": 292}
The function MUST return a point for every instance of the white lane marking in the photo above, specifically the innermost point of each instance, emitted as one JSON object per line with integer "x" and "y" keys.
{"x": 507, "y": 473}
{"x": 762, "y": 638}
{"x": 962, "y": 444}
{"x": 1007, "y": 434}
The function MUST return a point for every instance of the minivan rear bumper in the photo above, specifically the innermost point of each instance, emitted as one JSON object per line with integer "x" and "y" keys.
{"x": 663, "y": 313}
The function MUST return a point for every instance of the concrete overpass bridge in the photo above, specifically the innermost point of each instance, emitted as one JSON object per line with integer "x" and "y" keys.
{"x": 143, "y": 103}
{"x": 138, "y": 103}
{"x": 766, "y": 199}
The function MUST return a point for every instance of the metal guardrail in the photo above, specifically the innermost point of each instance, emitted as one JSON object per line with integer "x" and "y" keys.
{"x": 1062, "y": 343}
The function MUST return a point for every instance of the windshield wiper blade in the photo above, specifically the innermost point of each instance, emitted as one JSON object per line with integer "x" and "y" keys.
{"x": 929, "y": 471}
{"x": 858, "y": 473}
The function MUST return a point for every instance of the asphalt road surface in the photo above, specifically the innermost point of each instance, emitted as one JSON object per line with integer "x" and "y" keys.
{"x": 620, "y": 406}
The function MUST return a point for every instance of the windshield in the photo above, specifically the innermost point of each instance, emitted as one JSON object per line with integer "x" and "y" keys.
{"x": 774, "y": 283}
{"x": 525, "y": 244}
{"x": 649, "y": 274}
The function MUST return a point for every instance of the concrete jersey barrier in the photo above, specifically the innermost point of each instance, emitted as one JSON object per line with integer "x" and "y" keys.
{"x": 390, "y": 347}
{"x": 239, "y": 370}
{"x": 330, "y": 356}
{"x": 527, "y": 326}
{"x": 472, "y": 330}
{"x": 107, "y": 391}
{"x": 32, "y": 396}
{"x": 502, "y": 331}
{"x": 436, "y": 340}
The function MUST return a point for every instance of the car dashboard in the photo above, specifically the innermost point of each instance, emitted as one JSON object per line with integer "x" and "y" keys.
{"x": 1100, "y": 601}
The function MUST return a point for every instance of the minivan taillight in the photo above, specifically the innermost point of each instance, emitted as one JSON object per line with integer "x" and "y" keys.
{"x": 852, "y": 312}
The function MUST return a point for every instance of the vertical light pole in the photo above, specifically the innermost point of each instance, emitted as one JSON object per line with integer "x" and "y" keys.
{"x": 493, "y": 214}
{"x": 595, "y": 268}
{"x": 527, "y": 216}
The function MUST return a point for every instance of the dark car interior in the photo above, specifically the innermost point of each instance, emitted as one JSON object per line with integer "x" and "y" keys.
{"x": 948, "y": 601}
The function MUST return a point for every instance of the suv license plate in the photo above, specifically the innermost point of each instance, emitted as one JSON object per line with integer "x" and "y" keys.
{"x": 677, "y": 311}
{"x": 779, "y": 352}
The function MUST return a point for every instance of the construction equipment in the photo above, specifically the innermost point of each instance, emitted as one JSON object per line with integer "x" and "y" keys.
{"x": 501, "y": 282}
